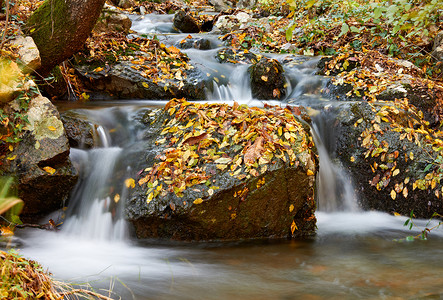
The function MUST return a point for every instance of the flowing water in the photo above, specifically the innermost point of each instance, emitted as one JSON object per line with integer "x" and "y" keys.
{"x": 355, "y": 254}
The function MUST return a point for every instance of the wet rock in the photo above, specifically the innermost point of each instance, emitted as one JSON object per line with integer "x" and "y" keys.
{"x": 389, "y": 161}
{"x": 28, "y": 53}
{"x": 197, "y": 43}
{"x": 122, "y": 81}
{"x": 186, "y": 23}
{"x": 222, "y": 202}
{"x": 229, "y": 55}
{"x": 267, "y": 80}
{"x": 41, "y": 164}
{"x": 80, "y": 132}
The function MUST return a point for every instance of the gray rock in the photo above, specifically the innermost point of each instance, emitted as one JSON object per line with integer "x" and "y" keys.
{"x": 437, "y": 49}
{"x": 28, "y": 54}
{"x": 121, "y": 81}
{"x": 389, "y": 166}
{"x": 45, "y": 176}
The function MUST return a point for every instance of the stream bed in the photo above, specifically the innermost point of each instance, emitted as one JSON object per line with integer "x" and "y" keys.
{"x": 355, "y": 254}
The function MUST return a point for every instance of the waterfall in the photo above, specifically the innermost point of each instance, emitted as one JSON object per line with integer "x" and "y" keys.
{"x": 334, "y": 189}
{"x": 95, "y": 211}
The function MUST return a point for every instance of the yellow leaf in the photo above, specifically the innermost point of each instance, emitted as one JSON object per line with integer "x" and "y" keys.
{"x": 198, "y": 201}
{"x": 12, "y": 157}
{"x": 150, "y": 197}
{"x": 116, "y": 198}
{"x": 396, "y": 172}
{"x": 52, "y": 128}
{"x": 145, "y": 84}
{"x": 397, "y": 214}
{"x": 11, "y": 148}
{"x": 264, "y": 78}
{"x": 352, "y": 158}
{"x": 310, "y": 173}
{"x": 130, "y": 183}
{"x": 221, "y": 167}
{"x": 49, "y": 170}
{"x": 291, "y": 207}
{"x": 411, "y": 155}
{"x": 393, "y": 195}
{"x": 99, "y": 69}
{"x": 293, "y": 227}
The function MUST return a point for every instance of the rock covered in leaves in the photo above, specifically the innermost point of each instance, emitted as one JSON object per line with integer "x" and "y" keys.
{"x": 216, "y": 171}
{"x": 268, "y": 80}
{"x": 138, "y": 69}
{"x": 394, "y": 155}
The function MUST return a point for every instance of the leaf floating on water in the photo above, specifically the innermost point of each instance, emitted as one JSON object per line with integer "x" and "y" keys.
{"x": 49, "y": 170}
{"x": 198, "y": 201}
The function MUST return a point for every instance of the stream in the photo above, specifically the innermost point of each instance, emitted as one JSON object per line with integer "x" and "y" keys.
{"x": 355, "y": 254}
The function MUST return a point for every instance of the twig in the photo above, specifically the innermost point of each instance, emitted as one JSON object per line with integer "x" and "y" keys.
{"x": 87, "y": 292}
{"x": 6, "y": 25}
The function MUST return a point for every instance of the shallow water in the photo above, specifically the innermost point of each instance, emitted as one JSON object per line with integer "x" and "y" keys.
{"x": 353, "y": 256}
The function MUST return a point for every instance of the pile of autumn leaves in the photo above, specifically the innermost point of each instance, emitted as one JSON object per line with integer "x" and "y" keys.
{"x": 200, "y": 140}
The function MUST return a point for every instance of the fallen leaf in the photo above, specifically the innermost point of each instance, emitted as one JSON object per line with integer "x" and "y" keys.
{"x": 198, "y": 201}
{"x": 291, "y": 207}
{"x": 254, "y": 151}
{"x": 293, "y": 227}
{"x": 52, "y": 128}
{"x": 49, "y": 170}
{"x": 195, "y": 139}
{"x": 130, "y": 182}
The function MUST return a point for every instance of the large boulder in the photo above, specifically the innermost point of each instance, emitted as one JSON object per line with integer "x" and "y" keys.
{"x": 40, "y": 161}
{"x": 213, "y": 171}
{"x": 268, "y": 81}
{"x": 394, "y": 156}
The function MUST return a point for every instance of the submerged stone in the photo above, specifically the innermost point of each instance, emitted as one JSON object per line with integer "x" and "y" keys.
{"x": 219, "y": 172}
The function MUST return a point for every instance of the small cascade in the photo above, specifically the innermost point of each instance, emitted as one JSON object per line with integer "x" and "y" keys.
{"x": 237, "y": 87}
{"x": 335, "y": 189}
{"x": 92, "y": 212}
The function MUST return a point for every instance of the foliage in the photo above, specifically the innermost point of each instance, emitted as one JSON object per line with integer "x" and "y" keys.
{"x": 26, "y": 279}
{"x": 201, "y": 140}
{"x": 13, "y": 122}
{"x": 10, "y": 206}
{"x": 400, "y": 28}
{"x": 423, "y": 235}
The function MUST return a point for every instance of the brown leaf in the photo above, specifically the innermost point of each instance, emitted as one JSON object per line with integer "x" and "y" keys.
{"x": 195, "y": 139}
{"x": 254, "y": 151}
